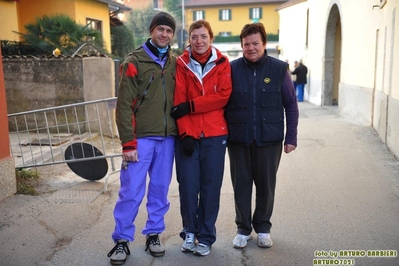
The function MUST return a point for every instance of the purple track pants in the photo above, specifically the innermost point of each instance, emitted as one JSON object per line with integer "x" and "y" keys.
{"x": 155, "y": 156}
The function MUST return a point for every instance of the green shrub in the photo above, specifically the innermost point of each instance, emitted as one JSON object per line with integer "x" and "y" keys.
{"x": 26, "y": 181}
{"x": 60, "y": 31}
{"x": 122, "y": 41}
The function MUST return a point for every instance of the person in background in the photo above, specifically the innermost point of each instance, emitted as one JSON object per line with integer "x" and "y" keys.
{"x": 263, "y": 94}
{"x": 293, "y": 77}
{"x": 300, "y": 71}
{"x": 147, "y": 133}
{"x": 203, "y": 88}
{"x": 288, "y": 64}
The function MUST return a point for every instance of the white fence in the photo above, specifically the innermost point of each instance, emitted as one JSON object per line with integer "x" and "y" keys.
{"x": 83, "y": 135}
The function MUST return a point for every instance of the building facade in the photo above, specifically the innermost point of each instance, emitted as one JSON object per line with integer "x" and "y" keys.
{"x": 227, "y": 17}
{"x": 351, "y": 49}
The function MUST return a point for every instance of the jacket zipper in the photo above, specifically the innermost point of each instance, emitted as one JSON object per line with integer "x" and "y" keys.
{"x": 145, "y": 92}
{"x": 165, "y": 120}
{"x": 254, "y": 99}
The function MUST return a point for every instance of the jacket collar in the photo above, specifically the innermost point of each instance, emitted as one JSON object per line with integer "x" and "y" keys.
{"x": 216, "y": 55}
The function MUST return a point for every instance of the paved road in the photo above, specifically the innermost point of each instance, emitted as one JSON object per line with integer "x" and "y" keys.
{"x": 338, "y": 191}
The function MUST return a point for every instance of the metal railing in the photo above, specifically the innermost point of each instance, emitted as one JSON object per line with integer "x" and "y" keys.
{"x": 52, "y": 135}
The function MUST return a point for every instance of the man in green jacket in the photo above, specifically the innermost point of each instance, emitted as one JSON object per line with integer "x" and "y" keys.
{"x": 147, "y": 134}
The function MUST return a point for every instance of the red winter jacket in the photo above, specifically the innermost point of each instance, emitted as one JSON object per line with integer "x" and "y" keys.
{"x": 208, "y": 91}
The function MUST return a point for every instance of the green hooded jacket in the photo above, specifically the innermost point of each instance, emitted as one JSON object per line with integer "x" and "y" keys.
{"x": 145, "y": 98}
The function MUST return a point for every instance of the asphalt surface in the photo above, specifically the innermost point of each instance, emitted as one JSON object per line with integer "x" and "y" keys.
{"x": 336, "y": 202}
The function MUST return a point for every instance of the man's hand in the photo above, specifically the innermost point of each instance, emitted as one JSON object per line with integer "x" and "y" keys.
{"x": 180, "y": 110}
{"x": 289, "y": 148}
{"x": 130, "y": 156}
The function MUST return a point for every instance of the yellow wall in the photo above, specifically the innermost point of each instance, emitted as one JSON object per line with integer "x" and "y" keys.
{"x": 78, "y": 10}
{"x": 240, "y": 17}
{"x": 142, "y": 4}
{"x": 8, "y": 21}
{"x": 30, "y": 10}
{"x": 98, "y": 11}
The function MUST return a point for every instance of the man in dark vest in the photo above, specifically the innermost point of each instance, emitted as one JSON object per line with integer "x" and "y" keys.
{"x": 263, "y": 95}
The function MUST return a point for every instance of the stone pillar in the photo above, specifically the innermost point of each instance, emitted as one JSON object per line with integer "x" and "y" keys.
{"x": 8, "y": 185}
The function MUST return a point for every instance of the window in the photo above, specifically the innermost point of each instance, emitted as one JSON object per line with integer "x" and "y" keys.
{"x": 255, "y": 14}
{"x": 225, "y": 33}
{"x": 225, "y": 14}
{"x": 94, "y": 24}
{"x": 198, "y": 14}
{"x": 155, "y": 4}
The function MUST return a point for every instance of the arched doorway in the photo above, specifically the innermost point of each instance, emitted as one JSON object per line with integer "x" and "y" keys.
{"x": 332, "y": 58}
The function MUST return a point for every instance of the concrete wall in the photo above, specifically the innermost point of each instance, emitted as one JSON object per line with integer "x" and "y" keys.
{"x": 356, "y": 103}
{"x": 8, "y": 183}
{"x": 99, "y": 83}
{"x": 392, "y": 126}
{"x": 41, "y": 83}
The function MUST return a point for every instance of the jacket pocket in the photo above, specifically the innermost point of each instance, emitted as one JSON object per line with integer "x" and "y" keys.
{"x": 272, "y": 128}
{"x": 270, "y": 97}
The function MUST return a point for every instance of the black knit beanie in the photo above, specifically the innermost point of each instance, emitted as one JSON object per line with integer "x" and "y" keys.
{"x": 163, "y": 18}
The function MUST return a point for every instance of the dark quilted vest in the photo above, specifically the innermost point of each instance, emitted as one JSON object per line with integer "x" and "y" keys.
{"x": 255, "y": 110}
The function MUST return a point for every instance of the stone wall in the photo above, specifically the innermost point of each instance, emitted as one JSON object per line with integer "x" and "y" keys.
{"x": 41, "y": 83}
{"x": 37, "y": 83}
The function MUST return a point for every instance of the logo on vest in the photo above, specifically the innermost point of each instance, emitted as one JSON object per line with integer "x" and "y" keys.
{"x": 267, "y": 80}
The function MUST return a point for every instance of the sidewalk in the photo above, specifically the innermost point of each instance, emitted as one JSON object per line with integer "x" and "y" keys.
{"x": 339, "y": 191}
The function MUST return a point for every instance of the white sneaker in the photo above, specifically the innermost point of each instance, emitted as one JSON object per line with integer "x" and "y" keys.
{"x": 189, "y": 243}
{"x": 264, "y": 240}
{"x": 201, "y": 250}
{"x": 240, "y": 241}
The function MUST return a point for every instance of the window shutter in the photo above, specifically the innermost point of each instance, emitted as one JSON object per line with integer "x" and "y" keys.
{"x": 230, "y": 14}
{"x": 250, "y": 13}
{"x": 194, "y": 15}
{"x": 220, "y": 14}
{"x": 203, "y": 14}
{"x": 260, "y": 13}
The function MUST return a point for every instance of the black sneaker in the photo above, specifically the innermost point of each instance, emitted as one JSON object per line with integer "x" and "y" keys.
{"x": 119, "y": 253}
{"x": 154, "y": 245}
